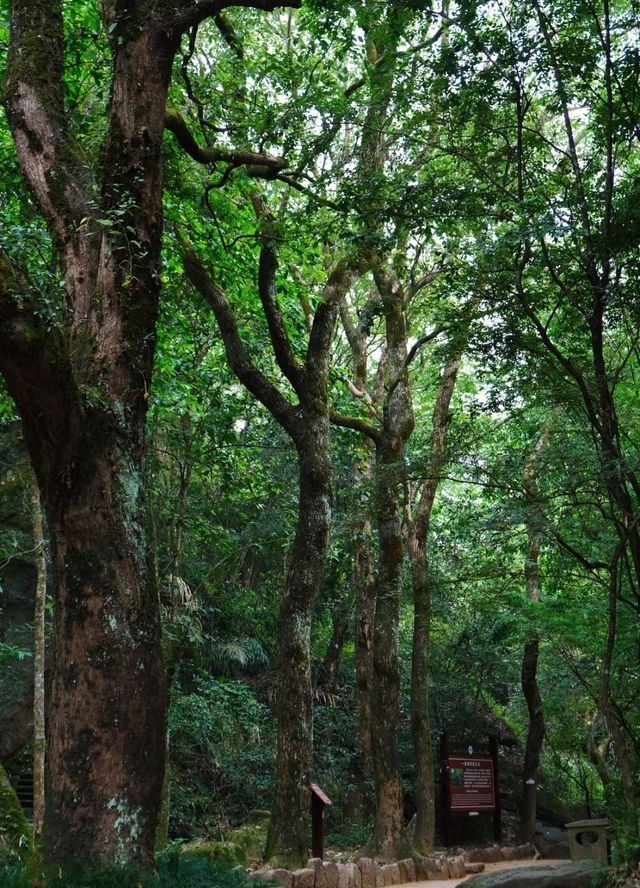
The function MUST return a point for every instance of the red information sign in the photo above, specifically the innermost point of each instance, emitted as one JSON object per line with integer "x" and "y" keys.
{"x": 471, "y": 783}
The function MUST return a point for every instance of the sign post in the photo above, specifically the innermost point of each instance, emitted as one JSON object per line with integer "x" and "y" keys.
{"x": 319, "y": 801}
{"x": 469, "y": 786}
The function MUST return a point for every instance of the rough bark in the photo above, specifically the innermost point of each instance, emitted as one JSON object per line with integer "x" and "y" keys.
{"x": 290, "y": 811}
{"x": 80, "y": 385}
{"x": 330, "y": 666}
{"x": 363, "y": 557}
{"x": 397, "y": 426}
{"x": 417, "y": 531}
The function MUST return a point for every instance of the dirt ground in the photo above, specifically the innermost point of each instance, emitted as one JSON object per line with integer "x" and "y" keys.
{"x": 488, "y": 868}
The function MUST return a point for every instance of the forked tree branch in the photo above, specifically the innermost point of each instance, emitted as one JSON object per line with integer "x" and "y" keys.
{"x": 239, "y": 361}
{"x": 262, "y": 165}
{"x": 194, "y": 12}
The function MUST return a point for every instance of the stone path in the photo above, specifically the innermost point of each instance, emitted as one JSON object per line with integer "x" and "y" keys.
{"x": 488, "y": 868}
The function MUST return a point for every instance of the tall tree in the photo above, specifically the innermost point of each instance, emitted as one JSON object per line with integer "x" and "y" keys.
{"x": 307, "y": 423}
{"x": 417, "y": 521}
{"x": 80, "y": 376}
{"x": 529, "y": 674}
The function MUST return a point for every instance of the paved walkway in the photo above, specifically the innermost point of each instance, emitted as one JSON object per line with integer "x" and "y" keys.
{"x": 488, "y": 868}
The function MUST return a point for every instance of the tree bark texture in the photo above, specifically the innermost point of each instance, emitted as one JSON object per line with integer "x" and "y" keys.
{"x": 417, "y": 532}
{"x": 363, "y": 556}
{"x": 397, "y": 426}
{"x": 80, "y": 380}
{"x": 294, "y": 756}
{"x": 330, "y": 666}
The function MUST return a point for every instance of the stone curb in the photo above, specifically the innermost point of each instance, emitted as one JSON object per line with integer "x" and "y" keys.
{"x": 369, "y": 873}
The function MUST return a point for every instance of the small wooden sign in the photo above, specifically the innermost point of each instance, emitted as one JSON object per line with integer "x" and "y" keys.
{"x": 320, "y": 794}
{"x": 319, "y": 801}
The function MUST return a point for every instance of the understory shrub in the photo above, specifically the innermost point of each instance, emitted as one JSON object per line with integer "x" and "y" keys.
{"x": 175, "y": 870}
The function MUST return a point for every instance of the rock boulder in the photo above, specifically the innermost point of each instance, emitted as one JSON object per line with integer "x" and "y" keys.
{"x": 572, "y": 875}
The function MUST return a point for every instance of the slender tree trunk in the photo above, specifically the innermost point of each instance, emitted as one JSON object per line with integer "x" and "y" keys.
{"x": 289, "y": 817}
{"x": 39, "y": 738}
{"x": 424, "y": 833}
{"x": 417, "y": 531}
{"x": 328, "y": 672}
{"x": 531, "y": 692}
{"x": 529, "y": 680}
{"x": 631, "y": 833}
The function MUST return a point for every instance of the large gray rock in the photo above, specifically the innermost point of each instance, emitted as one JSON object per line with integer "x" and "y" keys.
{"x": 304, "y": 878}
{"x": 379, "y": 876}
{"x": 572, "y": 875}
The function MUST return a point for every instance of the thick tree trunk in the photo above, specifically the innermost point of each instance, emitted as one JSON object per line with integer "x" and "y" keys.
{"x": 81, "y": 393}
{"x": 106, "y": 737}
{"x": 388, "y": 834}
{"x": 290, "y": 812}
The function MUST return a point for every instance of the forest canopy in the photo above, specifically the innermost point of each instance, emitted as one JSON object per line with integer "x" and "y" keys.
{"x": 319, "y": 348}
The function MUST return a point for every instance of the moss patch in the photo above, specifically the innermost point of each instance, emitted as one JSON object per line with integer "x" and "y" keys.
{"x": 230, "y": 853}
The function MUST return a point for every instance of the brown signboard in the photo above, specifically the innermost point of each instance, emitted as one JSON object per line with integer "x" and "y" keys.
{"x": 471, "y": 783}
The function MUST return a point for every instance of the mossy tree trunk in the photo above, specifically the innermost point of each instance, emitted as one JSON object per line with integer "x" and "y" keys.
{"x": 363, "y": 553}
{"x": 80, "y": 378}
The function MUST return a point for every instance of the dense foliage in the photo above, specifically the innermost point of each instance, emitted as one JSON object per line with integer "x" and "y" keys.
{"x": 478, "y": 164}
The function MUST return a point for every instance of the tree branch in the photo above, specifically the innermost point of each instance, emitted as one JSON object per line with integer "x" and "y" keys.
{"x": 335, "y": 289}
{"x": 196, "y": 11}
{"x": 358, "y": 425}
{"x": 239, "y": 361}
{"x": 34, "y": 364}
{"x": 261, "y": 165}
